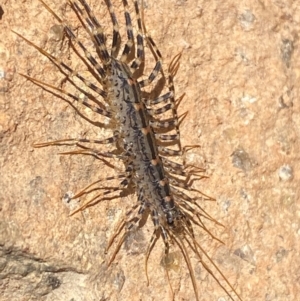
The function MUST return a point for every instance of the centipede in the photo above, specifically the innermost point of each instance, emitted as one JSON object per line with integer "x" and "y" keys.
{"x": 144, "y": 126}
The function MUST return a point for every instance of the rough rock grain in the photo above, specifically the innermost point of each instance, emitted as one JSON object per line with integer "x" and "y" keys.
{"x": 240, "y": 71}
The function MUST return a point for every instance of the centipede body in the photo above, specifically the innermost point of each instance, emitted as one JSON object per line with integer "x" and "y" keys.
{"x": 166, "y": 211}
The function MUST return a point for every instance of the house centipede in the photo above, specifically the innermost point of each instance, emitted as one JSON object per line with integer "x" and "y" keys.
{"x": 143, "y": 139}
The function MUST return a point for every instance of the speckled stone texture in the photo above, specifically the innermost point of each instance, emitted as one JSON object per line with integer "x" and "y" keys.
{"x": 240, "y": 70}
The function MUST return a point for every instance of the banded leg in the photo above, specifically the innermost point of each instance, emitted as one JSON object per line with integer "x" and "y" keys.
{"x": 164, "y": 151}
{"x": 116, "y": 34}
{"x": 183, "y": 200}
{"x": 73, "y": 38}
{"x": 109, "y": 140}
{"x": 94, "y": 29}
{"x": 83, "y": 100}
{"x": 172, "y": 70}
{"x": 189, "y": 169}
{"x": 169, "y": 106}
{"x": 59, "y": 64}
{"x": 154, "y": 238}
{"x": 130, "y": 37}
{"x": 96, "y": 199}
{"x": 94, "y": 152}
{"x": 121, "y": 226}
{"x": 140, "y": 51}
{"x": 126, "y": 176}
{"x": 162, "y": 98}
{"x": 182, "y": 183}
{"x": 185, "y": 171}
{"x": 166, "y": 137}
{"x": 163, "y": 124}
{"x": 158, "y": 65}
{"x": 133, "y": 222}
{"x": 161, "y": 110}
{"x": 88, "y": 189}
{"x": 157, "y": 56}
{"x": 173, "y": 104}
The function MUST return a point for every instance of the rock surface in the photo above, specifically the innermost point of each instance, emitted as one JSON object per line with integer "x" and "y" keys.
{"x": 240, "y": 71}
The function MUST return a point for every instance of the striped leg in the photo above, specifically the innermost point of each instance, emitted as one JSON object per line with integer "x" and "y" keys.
{"x": 76, "y": 141}
{"x": 133, "y": 222}
{"x": 62, "y": 66}
{"x": 158, "y": 65}
{"x": 94, "y": 29}
{"x": 140, "y": 52}
{"x": 154, "y": 238}
{"x": 125, "y": 176}
{"x": 82, "y": 100}
{"x": 172, "y": 70}
{"x": 116, "y": 34}
{"x": 130, "y": 37}
{"x": 162, "y": 98}
{"x": 73, "y": 37}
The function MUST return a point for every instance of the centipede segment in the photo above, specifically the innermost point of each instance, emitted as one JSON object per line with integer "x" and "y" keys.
{"x": 145, "y": 134}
